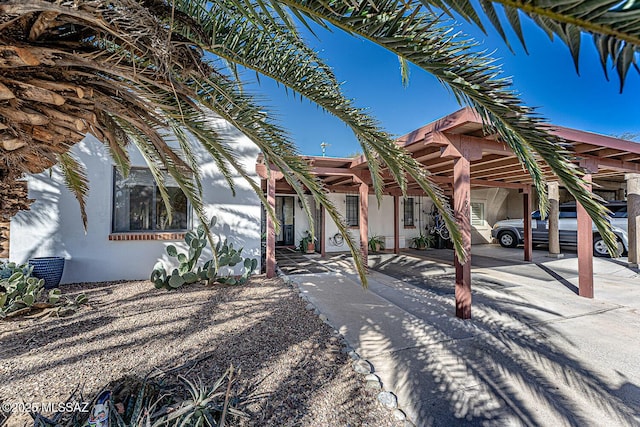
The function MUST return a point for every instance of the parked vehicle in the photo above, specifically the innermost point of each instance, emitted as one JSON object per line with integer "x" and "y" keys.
{"x": 619, "y": 215}
{"x": 510, "y": 233}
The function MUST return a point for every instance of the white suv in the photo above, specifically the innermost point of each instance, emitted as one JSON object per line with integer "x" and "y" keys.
{"x": 510, "y": 233}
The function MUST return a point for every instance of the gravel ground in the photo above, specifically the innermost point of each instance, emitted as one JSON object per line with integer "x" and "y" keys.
{"x": 285, "y": 353}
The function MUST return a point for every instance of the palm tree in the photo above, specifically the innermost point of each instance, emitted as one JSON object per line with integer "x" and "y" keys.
{"x": 137, "y": 72}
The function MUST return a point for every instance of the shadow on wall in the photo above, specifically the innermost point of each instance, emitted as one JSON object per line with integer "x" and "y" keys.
{"x": 53, "y": 226}
{"x": 37, "y": 232}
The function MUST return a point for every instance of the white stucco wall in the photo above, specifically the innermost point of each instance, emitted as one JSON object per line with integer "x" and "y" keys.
{"x": 53, "y": 226}
{"x": 495, "y": 208}
{"x": 380, "y": 221}
{"x": 497, "y": 205}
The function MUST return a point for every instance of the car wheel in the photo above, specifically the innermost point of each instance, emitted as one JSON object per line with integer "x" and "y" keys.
{"x": 600, "y": 247}
{"x": 508, "y": 239}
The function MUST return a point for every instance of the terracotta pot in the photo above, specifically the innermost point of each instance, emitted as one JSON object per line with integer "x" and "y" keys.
{"x": 311, "y": 247}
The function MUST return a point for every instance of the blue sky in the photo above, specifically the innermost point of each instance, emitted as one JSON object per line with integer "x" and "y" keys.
{"x": 545, "y": 78}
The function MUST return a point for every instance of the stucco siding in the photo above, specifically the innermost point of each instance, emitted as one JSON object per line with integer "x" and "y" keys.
{"x": 53, "y": 226}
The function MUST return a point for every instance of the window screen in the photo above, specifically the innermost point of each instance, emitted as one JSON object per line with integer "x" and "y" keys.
{"x": 477, "y": 214}
{"x": 408, "y": 212}
{"x": 353, "y": 211}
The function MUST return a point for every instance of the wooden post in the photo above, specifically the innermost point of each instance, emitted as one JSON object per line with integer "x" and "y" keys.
{"x": 463, "y": 153}
{"x": 323, "y": 242}
{"x": 554, "y": 215}
{"x": 526, "y": 204}
{"x": 271, "y": 229}
{"x": 396, "y": 225}
{"x": 364, "y": 223}
{"x": 461, "y": 210}
{"x": 585, "y": 239}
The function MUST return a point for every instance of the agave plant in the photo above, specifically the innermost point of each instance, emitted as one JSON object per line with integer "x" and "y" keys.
{"x": 142, "y": 72}
{"x": 154, "y": 402}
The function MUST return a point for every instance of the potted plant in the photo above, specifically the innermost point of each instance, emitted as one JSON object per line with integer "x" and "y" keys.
{"x": 422, "y": 241}
{"x": 307, "y": 243}
{"x": 48, "y": 268}
{"x": 376, "y": 243}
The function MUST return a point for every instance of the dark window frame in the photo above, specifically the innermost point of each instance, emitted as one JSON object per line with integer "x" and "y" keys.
{"x": 153, "y": 205}
{"x": 408, "y": 212}
{"x": 351, "y": 210}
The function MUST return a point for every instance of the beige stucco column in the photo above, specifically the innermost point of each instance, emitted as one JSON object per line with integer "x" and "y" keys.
{"x": 553, "y": 188}
{"x": 633, "y": 213}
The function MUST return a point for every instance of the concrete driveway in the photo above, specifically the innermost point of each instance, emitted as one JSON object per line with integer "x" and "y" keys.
{"x": 534, "y": 354}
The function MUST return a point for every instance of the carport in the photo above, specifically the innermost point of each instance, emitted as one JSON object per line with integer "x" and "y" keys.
{"x": 460, "y": 156}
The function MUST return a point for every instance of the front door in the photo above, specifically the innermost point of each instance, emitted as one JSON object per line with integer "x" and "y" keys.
{"x": 285, "y": 212}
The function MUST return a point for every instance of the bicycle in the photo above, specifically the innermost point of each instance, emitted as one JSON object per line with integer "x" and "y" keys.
{"x": 439, "y": 226}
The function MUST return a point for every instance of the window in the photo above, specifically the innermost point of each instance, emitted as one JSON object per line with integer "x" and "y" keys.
{"x": 408, "y": 212}
{"x": 477, "y": 214}
{"x": 353, "y": 211}
{"x": 138, "y": 205}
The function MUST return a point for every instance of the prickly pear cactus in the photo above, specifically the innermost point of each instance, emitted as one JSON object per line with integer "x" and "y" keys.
{"x": 188, "y": 272}
{"x": 20, "y": 293}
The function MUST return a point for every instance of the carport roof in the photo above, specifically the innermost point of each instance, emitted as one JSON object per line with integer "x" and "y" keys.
{"x": 496, "y": 165}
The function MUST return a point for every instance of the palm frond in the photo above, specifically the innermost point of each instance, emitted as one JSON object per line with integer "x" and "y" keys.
{"x": 75, "y": 178}
{"x": 426, "y": 40}
{"x": 614, "y": 25}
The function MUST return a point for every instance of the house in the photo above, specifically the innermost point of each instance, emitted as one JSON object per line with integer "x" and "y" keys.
{"x": 127, "y": 233}
{"x": 127, "y": 229}
{"x": 484, "y": 181}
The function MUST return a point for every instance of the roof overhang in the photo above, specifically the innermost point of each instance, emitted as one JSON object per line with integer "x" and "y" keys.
{"x": 493, "y": 164}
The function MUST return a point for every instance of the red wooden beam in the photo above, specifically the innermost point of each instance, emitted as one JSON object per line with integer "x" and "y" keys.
{"x": 585, "y": 238}
{"x": 528, "y": 243}
{"x": 271, "y": 229}
{"x": 364, "y": 222}
{"x": 462, "y": 212}
{"x": 396, "y": 225}
{"x": 323, "y": 244}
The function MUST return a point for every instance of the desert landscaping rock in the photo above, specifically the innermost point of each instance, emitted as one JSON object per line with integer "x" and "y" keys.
{"x": 130, "y": 328}
{"x": 310, "y": 307}
{"x": 352, "y": 354}
{"x": 361, "y": 366}
{"x": 323, "y": 318}
{"x": 388, "y": 399}
{"x": 371, "y": 377}
{"x": 373, "y": 385}
{"x": 399, "y": 415}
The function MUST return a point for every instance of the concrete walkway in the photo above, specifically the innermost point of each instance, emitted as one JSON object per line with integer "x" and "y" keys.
{"x": 534, "y": 354}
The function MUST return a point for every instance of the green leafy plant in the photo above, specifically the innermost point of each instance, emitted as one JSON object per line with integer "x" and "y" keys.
{"x": 307, "y": 243}
{"x": 136, "y": 402}
{"x": 422, "y": 241}
{"x": 225, "y": 257}
{"x": 20, "y": 293}
{"x": 376, "y": 243}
